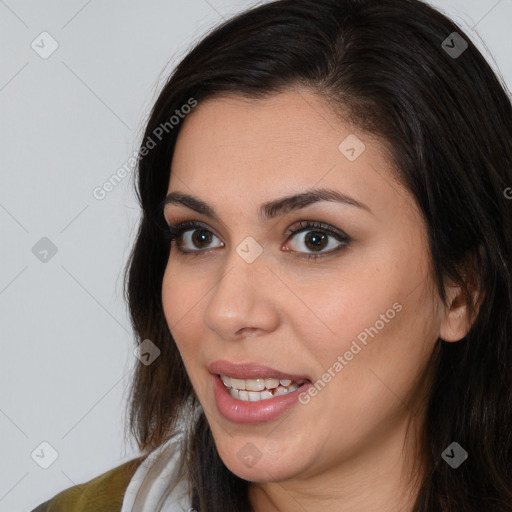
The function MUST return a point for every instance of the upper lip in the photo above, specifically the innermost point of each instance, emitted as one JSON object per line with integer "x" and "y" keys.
{"x": 250, "y": 371}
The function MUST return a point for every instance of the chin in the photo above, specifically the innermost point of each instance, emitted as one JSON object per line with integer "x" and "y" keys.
{"x": 248, "y": 463}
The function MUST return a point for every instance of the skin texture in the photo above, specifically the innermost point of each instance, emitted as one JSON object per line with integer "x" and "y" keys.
{"x": 347, "y": 448}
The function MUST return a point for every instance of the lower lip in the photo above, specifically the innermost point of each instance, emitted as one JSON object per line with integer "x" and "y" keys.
{"x": 238, "y": 411}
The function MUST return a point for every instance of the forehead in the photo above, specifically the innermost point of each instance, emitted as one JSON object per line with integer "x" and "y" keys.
{"x": 233, "y": 147}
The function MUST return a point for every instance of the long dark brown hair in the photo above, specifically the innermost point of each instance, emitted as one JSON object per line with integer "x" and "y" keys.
{"x": 447, "y": 118}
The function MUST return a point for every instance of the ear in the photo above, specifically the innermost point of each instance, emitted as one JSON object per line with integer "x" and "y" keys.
{"x": 458, "y": 316}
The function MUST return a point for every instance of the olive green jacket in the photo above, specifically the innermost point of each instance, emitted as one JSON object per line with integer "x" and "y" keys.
{"x": 104, "y": 493}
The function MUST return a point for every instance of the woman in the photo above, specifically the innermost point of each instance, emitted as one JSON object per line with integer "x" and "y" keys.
{"x": 323, "y": 263}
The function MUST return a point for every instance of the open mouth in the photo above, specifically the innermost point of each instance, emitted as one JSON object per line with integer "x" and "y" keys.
{"x": 254, "y": 390}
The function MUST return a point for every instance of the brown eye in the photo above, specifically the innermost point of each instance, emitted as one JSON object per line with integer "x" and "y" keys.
{"x": 190, "y": 237}
{"x": 315, "y": 238}
{"x": 198, "y": 239}
{"x": 201, "y": 238}
{"x": 315, "y": 241}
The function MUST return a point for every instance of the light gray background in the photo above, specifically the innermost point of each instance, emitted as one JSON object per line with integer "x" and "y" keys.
{"x": 68, "y": 123}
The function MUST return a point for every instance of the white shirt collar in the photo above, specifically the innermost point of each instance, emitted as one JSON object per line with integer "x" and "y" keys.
{"x": 149, "y": 487}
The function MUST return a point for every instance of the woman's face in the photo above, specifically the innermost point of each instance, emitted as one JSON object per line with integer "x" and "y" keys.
{"x": 360, "y": 320}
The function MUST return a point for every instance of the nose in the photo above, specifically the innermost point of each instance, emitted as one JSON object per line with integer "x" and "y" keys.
{"x": 245, "y": 300}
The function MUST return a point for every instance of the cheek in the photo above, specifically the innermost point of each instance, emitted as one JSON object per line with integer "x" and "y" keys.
{"x": 379, "y": 299}
{"x": 182, "y": 289}
{"x": 181, "y": 300}
{"x": 358, "y": 303}
{"x": 371, "y": 335}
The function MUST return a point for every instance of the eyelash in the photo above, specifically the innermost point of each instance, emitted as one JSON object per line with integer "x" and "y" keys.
{"x": 173, "y": 233}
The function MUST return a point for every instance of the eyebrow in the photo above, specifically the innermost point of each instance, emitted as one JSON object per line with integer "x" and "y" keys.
{"x": 271, "y": 209}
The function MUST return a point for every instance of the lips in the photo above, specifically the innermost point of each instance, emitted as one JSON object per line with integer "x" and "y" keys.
{"x": 251, "y": 371}
{"x": 251, "y": 412}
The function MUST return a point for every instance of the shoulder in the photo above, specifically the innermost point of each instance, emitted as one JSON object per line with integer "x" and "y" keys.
{"x": 105, "y": 491}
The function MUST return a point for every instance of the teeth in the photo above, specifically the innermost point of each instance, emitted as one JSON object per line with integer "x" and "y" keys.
{"x": 265, "y": 395}
{"x": 280, "y": 391}
{"x": 238, "y": 383}
{"x": 255, "y": 384}
{"x": 254, "y": 390}
{"x": 271, "y": 383}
